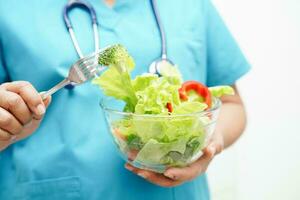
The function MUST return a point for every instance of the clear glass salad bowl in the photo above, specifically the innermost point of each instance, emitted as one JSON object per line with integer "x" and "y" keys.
{"x": 156, "y": 142}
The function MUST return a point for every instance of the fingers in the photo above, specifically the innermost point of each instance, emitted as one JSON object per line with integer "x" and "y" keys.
{"x": 30, "y": 96}
{"x": 9, "y": 124}
{"x": 155, "y": 178}
{"x": 4, "y": 136}
{"x": 16, "y": 105}
{"x": 192, "y": 171}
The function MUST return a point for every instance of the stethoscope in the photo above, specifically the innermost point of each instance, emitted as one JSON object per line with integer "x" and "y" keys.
{"x": 155, "y": 67}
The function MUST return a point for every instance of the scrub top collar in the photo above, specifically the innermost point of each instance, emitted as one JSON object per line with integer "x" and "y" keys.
{"x": 108, "y": 17}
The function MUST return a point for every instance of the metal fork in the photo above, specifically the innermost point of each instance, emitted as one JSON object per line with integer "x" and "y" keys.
{"x": 83, "y": 70}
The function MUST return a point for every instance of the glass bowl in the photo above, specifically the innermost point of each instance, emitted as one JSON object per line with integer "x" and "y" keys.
{"x": 157, "y": 142}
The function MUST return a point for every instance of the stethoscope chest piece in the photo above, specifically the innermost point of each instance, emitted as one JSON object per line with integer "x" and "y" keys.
{"x": 157, "y": 66}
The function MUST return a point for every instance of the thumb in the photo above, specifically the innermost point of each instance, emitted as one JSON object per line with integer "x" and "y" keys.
{"x": 47, "y": 101}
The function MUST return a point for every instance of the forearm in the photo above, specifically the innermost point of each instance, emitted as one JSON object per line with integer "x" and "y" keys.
{"x": 232, "y": 119}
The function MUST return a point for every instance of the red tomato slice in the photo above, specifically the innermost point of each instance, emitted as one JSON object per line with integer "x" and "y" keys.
{"x": 169, "y": 107}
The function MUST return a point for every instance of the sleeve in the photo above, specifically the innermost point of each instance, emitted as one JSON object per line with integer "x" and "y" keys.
{"x": 3, "y": 71}
{"x": 225, "y": 60}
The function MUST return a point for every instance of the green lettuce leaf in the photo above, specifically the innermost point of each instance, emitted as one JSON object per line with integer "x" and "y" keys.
{"x": 219, "y": 91}
{"x": 193, "y": 147}
{"x": 166, "y": 129}
{"x": 153, "y": 151}
{"x": 143, "y": 81}
{"x": 154, "y": 98}
{"x": 189, "y": 107}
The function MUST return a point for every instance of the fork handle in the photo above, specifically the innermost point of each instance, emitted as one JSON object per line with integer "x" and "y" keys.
{"x": 55, "y": 88}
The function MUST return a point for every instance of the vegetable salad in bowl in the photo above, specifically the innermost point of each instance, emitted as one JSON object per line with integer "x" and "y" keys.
{"x": 156, "y": 121}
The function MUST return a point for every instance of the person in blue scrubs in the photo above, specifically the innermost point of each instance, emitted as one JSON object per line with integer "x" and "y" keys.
{"x": 61, "y": 150}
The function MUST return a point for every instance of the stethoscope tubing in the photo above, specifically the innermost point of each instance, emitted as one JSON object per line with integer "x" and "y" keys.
{"x": 84, "y": 5}
{"x": 161, "y": 29}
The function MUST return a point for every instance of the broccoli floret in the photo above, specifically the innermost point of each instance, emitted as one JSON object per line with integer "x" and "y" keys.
{"x": 116, "y": 55}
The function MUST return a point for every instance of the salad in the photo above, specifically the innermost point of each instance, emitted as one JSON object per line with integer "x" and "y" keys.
{"x": 164, "y": 124}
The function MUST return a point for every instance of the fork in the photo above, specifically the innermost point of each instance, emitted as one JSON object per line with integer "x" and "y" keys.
{"x": 83, "y": 70}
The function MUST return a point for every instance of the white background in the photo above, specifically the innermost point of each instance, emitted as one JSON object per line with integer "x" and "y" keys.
{"x": 265, "y": 163}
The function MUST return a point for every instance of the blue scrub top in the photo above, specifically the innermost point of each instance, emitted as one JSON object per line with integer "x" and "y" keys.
{"x": 71, "y": 155}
